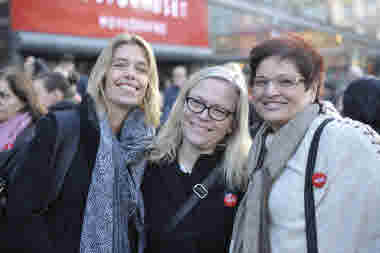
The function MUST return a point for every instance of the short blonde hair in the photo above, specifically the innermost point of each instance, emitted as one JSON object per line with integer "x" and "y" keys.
{"x": 169, "y": 139}
{"x": 151, "y": 101}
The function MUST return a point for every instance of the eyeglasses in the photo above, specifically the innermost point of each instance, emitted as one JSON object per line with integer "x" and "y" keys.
{"x": 214, "y": 111}
{"x": 279, "y": 81}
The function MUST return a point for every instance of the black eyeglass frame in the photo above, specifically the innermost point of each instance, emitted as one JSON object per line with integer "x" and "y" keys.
{"x": 226, "y": 112}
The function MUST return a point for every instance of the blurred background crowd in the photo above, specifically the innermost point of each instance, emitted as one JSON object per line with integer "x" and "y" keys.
{"x": 66, "y": 37}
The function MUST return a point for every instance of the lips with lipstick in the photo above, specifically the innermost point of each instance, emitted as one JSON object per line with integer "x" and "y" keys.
{"x": 273, "y": 105}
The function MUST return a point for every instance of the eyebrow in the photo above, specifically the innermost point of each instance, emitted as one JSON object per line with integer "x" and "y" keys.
{"x": 141, "y": 62}
{"x": 224, "y": 107}
{"x": 282, "y": 74}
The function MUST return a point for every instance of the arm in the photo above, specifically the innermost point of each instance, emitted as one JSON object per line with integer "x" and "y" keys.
{"x": 30, "y": 186}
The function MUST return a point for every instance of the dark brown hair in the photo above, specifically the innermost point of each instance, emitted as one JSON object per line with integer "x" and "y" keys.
{"x": 56, "y": 81}
{"x": 21, "y": 86}
{"x": 308, "y": 61}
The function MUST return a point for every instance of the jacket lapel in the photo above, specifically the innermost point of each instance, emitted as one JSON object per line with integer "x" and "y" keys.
{"x": 172, "y": 182}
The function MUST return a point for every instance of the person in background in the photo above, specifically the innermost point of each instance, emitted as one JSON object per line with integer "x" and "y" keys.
{"x": 65, "y": 66}
{"x": 53, "y": 88}
{"x": 19, "y": 108}
{"x": 361, "y": 101}
{"x": 206, "y": 132}
{"x": 85, "y": 196}
{"x": 342, "y": 186}
{"x": 179, "y": 77}
{"x": 35, "y": 66}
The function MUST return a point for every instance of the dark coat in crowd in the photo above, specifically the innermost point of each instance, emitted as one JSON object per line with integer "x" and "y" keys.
{"x": 63, "y": 105}
{"x": 82, "y": 85}
{"x": 361, "y": 101}
{"x": 32, "y": 225}
{"x": 170, "y": 96}
{"x": 207, "y": 228}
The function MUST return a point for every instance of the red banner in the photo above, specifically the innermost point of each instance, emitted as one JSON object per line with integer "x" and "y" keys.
{"x": 178, "y": 22}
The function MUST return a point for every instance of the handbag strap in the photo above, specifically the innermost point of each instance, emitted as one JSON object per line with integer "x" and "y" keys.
{"x": 200, "y": 191}
{"x": 311, "y": 229}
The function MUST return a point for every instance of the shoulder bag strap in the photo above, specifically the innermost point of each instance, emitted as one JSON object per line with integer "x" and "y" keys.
{"x": 200, "y": 191}
{"x": 311, "y": 229}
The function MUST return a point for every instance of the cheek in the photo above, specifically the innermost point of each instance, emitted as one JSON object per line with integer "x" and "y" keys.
{"x": 223, "y": 129}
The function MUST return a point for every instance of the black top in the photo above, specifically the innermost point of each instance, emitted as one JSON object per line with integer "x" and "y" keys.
{"x": 30, "y": 228}
{"x": 207, "y": 228}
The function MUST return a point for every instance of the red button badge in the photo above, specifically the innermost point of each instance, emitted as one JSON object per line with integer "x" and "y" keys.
{"x": 230, "y": 200}
{"x": 7, "y": 146}
{"x": 319, "y": 179}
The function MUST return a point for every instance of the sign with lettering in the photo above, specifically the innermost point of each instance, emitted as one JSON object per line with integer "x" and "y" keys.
{"x": 178, "y": 22}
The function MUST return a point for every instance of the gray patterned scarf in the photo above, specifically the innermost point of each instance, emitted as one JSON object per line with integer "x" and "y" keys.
{"x": 114, "y": 198}
{"x": 251, "y": 226}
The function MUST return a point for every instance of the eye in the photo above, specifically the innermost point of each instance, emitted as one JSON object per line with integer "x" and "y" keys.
{"x": 142, "y": 68}
{"x": 118, "y": 65}
{"x": 3, "y": 95}
{"x": 195, "y": 103}
{"x": 260, "y": 82}
{"x": 220, "y": 111}
{"x": 285, "y": 82}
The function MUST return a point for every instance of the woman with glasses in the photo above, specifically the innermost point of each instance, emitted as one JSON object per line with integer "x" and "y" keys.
{"x": 308, "y": 188}
{"x": 79, "y": 187}
{"x": 188, "y": 206}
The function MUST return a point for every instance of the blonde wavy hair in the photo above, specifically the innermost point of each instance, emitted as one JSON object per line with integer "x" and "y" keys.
{"x": 151, "y": 101}
{"x": 169, "y": 139}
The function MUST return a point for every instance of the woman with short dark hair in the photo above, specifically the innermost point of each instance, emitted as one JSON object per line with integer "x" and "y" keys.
{"x": 307, "y": 190}
{"x": 53, "y": 88}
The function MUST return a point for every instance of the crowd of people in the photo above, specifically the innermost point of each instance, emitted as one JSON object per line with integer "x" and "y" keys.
{"x": 225, "y": 159}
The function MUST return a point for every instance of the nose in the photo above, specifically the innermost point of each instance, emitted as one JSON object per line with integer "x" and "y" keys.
{"x": 271, "y": 89}
{"x": 129, "y": 72}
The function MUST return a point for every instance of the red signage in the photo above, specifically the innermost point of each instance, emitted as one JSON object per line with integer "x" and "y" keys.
{"x": 178, "y": 22}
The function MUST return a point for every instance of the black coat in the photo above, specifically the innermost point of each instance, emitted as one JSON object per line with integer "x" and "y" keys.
{"x": 207, "y": 228}
{"x": 30, "y": 226}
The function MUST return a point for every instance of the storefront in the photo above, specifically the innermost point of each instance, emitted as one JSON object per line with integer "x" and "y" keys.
{"x": 194, "y": 31}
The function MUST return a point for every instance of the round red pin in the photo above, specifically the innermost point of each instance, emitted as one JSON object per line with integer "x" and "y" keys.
{"x": 319, "y": 179}
{"x": 7, "y": 146}
{"x": 230, "y": 200}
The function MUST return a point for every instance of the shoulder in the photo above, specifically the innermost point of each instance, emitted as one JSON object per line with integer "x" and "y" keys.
{"x": 26, "y": 135}
{"x": 349, "y": 145}
{"x": 348, "y": 133}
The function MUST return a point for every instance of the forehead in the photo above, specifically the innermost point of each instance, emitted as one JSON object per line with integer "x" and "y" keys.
{"x": 130, "y": 52}
{"x": 215, "y": 91}
{"x": 274, "y": 66}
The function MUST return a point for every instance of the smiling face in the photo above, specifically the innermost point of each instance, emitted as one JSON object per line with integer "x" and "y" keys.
{"x": 199, "y": 130}
{"x": 127, "y": 78}
{"x": 10, "y": 104}
{"x": 276, "y": 104}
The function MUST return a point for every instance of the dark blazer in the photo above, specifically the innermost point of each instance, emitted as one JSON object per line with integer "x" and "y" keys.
{"x": 207, "y": 228}
{"x": 31, "y": 224}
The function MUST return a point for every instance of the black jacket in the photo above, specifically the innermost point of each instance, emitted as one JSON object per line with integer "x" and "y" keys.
{"x": 207, "y": 228}
{"x": 31, "y": 225}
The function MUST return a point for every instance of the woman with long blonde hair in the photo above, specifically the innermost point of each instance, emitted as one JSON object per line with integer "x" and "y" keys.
{"x": 86, "y": 188}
